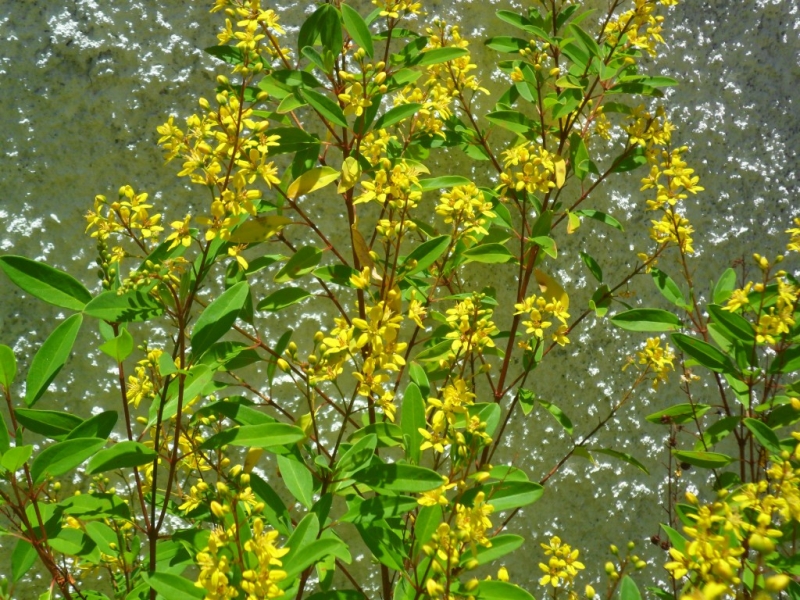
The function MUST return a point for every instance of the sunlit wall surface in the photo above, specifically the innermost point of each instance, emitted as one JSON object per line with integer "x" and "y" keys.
{"x": 85, "y": 83}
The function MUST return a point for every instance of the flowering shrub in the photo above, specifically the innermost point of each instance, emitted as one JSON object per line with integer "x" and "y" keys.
{"x": 382, "y": 427}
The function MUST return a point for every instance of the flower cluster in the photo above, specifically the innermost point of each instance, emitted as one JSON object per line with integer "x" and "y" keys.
{"x": 538, "y": 309}
{"x": 562, "y": 567}
{"x": 528, "y": 167}
{"x": 467, "y": 209}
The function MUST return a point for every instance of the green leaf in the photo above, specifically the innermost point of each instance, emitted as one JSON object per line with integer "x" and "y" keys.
{"x": 62, "y": 457}
{"x": 230, "y": 54}
{"x": 396, "y": 114}
{"x": 8, "y": 366}
{"x": 668, "y": 288}
{"x": 506, "y": 43}
{"x": 512, "y": 120}
{"x": 51, "y": 357}
{"x": 679, "y": 414}
{"x": 5, "y": 438}
{"x": 412, "y": 419}
{"x": 417, "y": 374}
{"x": 599, "y": 216}
{"x": 378, "y": 507}
{"x": 558, "y": 414}
{"x": 120, "y": 347}
{"x": 311, "y": 554}
{"x": 274, "y": 510}
{"x": 98, "y": 426}
{"x": 282, "y": 298}
{"x": 438, "y": 55}
{"x": 46, "y": 283}
{"x": 786, "y": 361}
{"x": 445, "y": 181}
{"x": 338, "y": 274}
{"x": 500, "y": 590}
{"x": 676, "y": 539}
{"x": 588, "y": 42}
{"x": 704, "y": 353}
{"x": 326, "y": 107}
{"x": 647, "y": 319}
{"x": 623, "y": 456}
{"x": 218, "y": 317}
{"x": 716, "y": 432}
{"x": 396, "y": 477}
{"x": 427, "y": 253}
{"x": 121, "y": 455}
{"x": 502, "y": 544}
{"x": 593, "y": 267}
{"x": 632, "y": 161}
{"x": 16, "y": 456}
{"x": 301, "y": 263}
{"x": 262, "y": 435}
{"x": 725, "y": 286}
{"x": 628, "y": 590}
{"x": 174, "y": 587}
{"x": 765, "y": 435}
{"x": 735, "y": 325}
{"x": 23, "y": 557}
{"x": 488, "y": 253}
{"x": 128, "y": 308}
{"x": 506, "y": 495}
{"x": 312, "y": 180}
{"x": 546, "y": 243}
{"x": 50, "y": 423}
{"x": 357, "y": 28}
{"x": 706, "y": 460}
{"x": 298, "y": 479}
{"x": 389, "y": 434}
{"x": 95, "y": 506}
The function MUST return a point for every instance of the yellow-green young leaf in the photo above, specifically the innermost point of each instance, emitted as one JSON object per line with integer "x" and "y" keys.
{"x": 560, "y": 171}
{"x": 706, "y": 460}
{"x": 23, "y": 558}
{"x": 120, "y": 347}
{"x": 8, "y": 366}
{"x": 362, "y": 249}
{"x": 551, "y": 289}
{"x": 121, "y": 456}
{"x": 312, "y": 180}
{"x": 647, "y": 319}
{"x": 351, "y": 172}
{"x": 573, "y": 222}
{"x": 51, "y": 357}
{"x": 15, "y": 457}
{"x": 558, "y": 414}
{"x": 259, "y": 229}
{"x": 628, "y": 589}
{"x": 412, "y": 419}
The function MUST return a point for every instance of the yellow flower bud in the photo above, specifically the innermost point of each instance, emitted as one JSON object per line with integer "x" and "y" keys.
{"x": 777, "y": 583}
{"x": 380, "y": 77}
{"x": 502, "y": 574}
{"x": 613, "y": 549}
{"x": 590, "y": 593}
{"x": 471, "y": 584}
{"x": 217, "y": 509}
{"x": 762, "y": 544}
{"x": 610, "y": 568}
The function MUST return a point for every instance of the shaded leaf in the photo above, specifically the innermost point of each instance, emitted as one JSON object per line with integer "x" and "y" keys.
{"x": 46, "y": 283}
{"x": 282, "y": 298}
{"x": 62, "y": 457}
{"x": 51, "y": 357}
{"x": 121, "y": 455}
{"x": 218, "y": 317}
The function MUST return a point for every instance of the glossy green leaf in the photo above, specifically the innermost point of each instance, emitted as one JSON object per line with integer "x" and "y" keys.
{"x": 646, "y": 319}
{"x": 16, "y": 456}
{"x": 99, "y": 426}
{"x": 23, "y": 557}
{"x": 706, "y": 460}
{"x": 8, "y": 366}
{"x": 357, "y": 456}
{"x": 218, "y": 317}
{"x": 62, "y": 457}
{"x": 489, "y": 254}
{"x": 764, "y": 434}
{"x": 593, "y": 267}
{"x": 412, "y": 419}
{"x": 298, "y": 479}
{"x": 174, "y": 587}
{"x": 558, "y": 415}
{"x": 396, "y": 114}
{"x": 628, "y": 590}
{"x": 623, "y": 456}
{"x": 357, "y": 28}
{"x": 736, "y": 327}
{"x": 427, "y": 253}
{"x": 389, "y": 434}
{"x": 787, "y": 361}
{"x": 445, "y": 181}
{"x": 507, "y": 495}
{"x": 502, "y": 544}
{"x": 121, "y": 455}
{"x": 500, "y": 590}
{"x": 378, "y": 507}
{"x": 326, "y": 107}
{"x": 46, "y": 283}
{"x": 384, "y": 543}
{"x": 5, "y": 437}
{"x": 679, "y": 413}
{"x": 725, "y": 286}
{"x": 230, "y": 54}
{"x": 396, "y": 477}
{"x": 312, "y": 180}
{"x": 263, "y": 435}
{"x": 74, "y": 542}
{"x": 282, "y": 298}
{"x": 96, "y": 506}
{"x": 130, "y": 307}
{"x": 51, "y": 357}
{"x": 716, "y": 432}
{"x": 49, "y": 423}
{"x": 310, "y": 555}
{"x": 703, "y": 352}
{"x": 301, "y": 263}
{"x": 439, "y": 55}
{"x": 120, "y": 347}
{"x": 274, "y": 509}
{"x": 599, "y": 216}
{"x": 668, "y": 288}
{"x": 512, "y": 120}
{"x": 506, "y": 43}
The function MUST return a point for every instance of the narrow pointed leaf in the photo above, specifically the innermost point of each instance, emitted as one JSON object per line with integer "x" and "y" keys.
{"x": 46, "y": 283}
{"x": 51, "y": 357}
{"x": 62, "y": 457}
{"x": 357, "y": 28}
{"x": 120, "y": 456}
{"x": 218, "y": 317}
